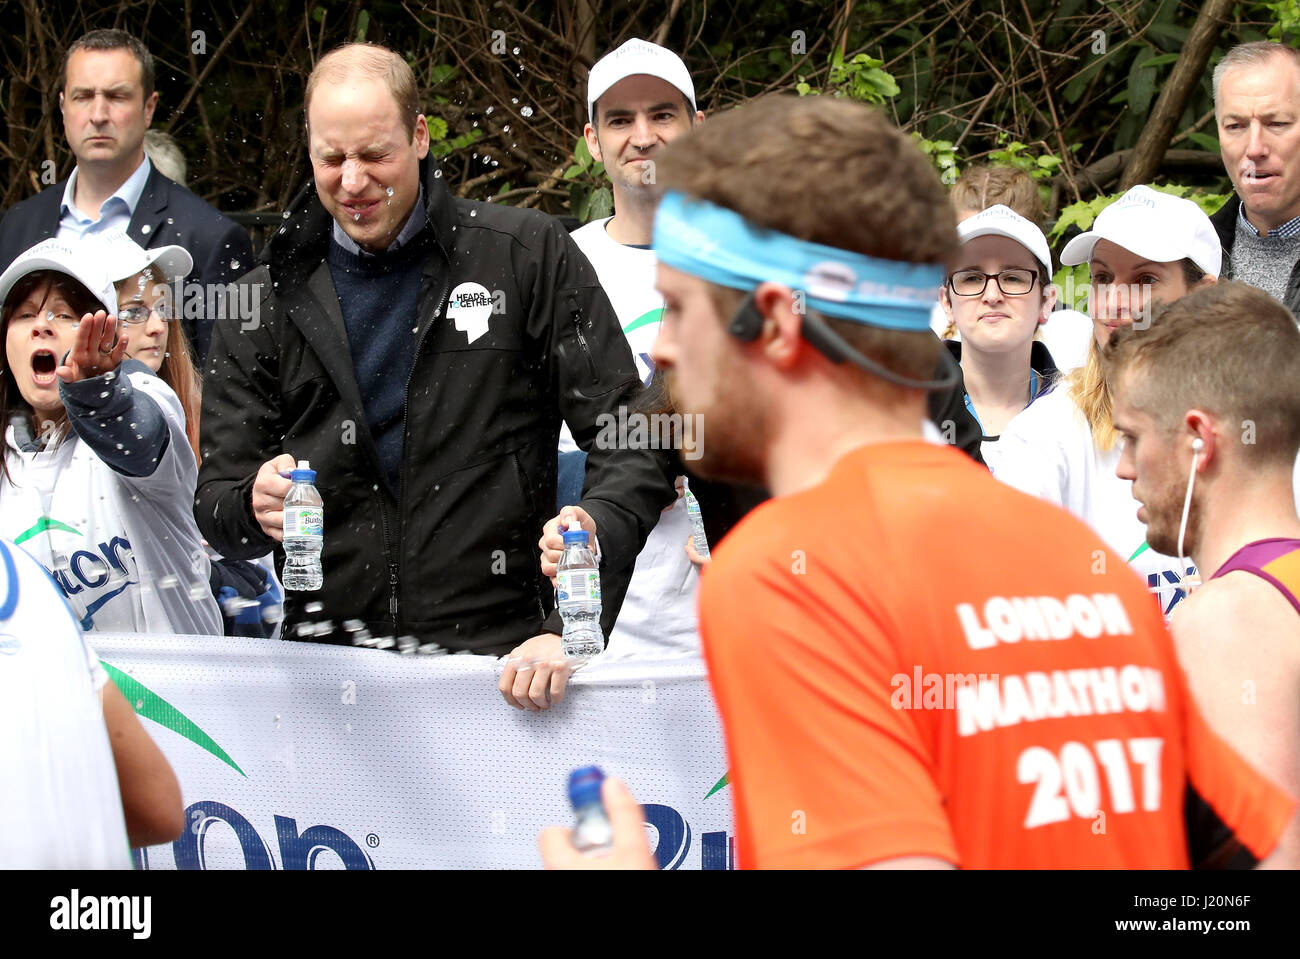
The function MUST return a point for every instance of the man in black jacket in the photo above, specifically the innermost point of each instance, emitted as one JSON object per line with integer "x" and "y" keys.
{"x": 107, "y": 102}
{"x": 420, "y": 351}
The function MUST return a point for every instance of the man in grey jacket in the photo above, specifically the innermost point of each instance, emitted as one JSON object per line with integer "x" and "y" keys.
{"x": 1257, "y": 104}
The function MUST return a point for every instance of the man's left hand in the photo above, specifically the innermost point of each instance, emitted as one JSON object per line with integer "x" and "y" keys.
{"x": 536, "y": 673}
{"x": 552, "y": 542}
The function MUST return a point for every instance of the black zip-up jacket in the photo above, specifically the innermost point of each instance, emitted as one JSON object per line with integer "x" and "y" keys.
{"x": 1225, "y": 224}
{"x": 453, "y": 558}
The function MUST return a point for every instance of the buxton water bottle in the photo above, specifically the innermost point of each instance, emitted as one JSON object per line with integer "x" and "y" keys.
{"x": 304, "y": 531}
{"x": 577, "y": 594}
{"x": 592, "y": 832}
{"x": 698, "y": 538}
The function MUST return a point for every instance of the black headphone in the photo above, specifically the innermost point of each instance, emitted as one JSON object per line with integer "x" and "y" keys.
{"x": 747, "y": 322}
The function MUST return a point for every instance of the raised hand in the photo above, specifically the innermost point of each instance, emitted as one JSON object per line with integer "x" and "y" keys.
{"x": 97, "y": 349}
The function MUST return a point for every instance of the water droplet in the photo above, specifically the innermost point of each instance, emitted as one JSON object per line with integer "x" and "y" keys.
{"x": 356, "y": 216}
{"x": 389, "y": 191}
{"x": 514, "y": 99}
{"x": 525, "y": 111}
{"x": 506, "y": 129}
{"x": 515, "y": 51}
{"x": 437, "y": 174}
{"x": 471, "y": 213}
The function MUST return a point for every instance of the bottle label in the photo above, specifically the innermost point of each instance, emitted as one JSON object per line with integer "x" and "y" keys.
{"x": 577, "y": 585}
{"x": 304, "y": 521}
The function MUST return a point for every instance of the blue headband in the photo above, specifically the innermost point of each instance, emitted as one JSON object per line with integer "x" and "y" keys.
{"x": 721, "y": 246}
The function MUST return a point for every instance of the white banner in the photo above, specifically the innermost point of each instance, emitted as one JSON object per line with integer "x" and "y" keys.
{"x": 294, "y": 756}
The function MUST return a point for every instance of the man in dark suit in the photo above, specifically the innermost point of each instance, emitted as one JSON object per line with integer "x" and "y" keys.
{"x": 107, "y": 102}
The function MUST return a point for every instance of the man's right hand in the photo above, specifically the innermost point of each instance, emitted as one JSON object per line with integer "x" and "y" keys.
{"x": 269, "y": 491}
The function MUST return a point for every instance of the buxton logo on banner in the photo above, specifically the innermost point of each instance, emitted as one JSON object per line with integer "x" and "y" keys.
{"x": 282, "y": 845}
{"x": 298, "y": 850}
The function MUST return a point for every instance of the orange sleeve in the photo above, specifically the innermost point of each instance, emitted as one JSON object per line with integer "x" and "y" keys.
{"x": 825, "y": 772}
{"x": 1252, "y": 806}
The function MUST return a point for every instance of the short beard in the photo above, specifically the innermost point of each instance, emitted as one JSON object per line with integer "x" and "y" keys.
{"x": 732, "y": 449}
{"x": 1165, "y": 539}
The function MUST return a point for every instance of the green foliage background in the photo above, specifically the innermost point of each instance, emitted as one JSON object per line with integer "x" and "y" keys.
{"x": 1050, "y": 86}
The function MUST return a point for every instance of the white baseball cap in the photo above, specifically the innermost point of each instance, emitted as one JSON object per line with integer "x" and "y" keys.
{"x": 999, "y": 220}
{"x": 1156, "y": 226}
{"x": 124, "y": 258}
{"x": 634, "y": 58}
{"x": 73, "y": 257}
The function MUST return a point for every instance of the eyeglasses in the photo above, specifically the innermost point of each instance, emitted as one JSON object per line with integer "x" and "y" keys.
{"x": 135, "y": 315}
{"x": 974, "y": 282}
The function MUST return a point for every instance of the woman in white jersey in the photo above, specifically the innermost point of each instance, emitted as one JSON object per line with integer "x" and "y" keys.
{"x": 1147, "y": 247}
{"x": 98, "y": 473}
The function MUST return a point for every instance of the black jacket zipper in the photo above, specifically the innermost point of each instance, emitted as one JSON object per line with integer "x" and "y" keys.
{"x": 582, "y": 342}
{"x": 394, "y": 567}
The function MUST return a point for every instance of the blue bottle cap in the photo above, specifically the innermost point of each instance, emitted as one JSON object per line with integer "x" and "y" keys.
{"x": 575, "y": 536}
{"x": 584, "y": 786}
{"x": 303, "y": 476}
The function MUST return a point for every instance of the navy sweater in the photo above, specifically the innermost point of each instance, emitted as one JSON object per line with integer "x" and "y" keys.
{"x": 379, "y": 295}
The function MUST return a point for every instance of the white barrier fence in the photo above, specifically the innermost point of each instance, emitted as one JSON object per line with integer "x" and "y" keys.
{"x": 294, "y": 756}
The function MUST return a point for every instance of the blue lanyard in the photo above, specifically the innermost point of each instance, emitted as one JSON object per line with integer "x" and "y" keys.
{"x": 11, "y": 574}
{"x": 1033, "y": 395}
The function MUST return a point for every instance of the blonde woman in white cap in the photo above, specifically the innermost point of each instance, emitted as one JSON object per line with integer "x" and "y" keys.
{"x": 1147, "y": 247}
{"x": 149, "y": 300}
{"x": 998, "y": 295}
{"x": 148, "y": 315}
{"x": 99, "y": 475}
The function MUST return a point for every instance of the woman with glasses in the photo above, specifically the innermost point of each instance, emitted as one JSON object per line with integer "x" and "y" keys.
{"x": 98, "y": 471}
{"x": 1145, "y": 248}
{"x": 149, "y": 301}
{"x": 997, "y": 297}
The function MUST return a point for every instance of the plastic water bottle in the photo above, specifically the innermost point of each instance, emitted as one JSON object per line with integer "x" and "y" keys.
{"x": 304, "y": 531}
{"x": 592, "y": 832}
{"x": 577, "y": 594}
{"x": 698, "y": 537}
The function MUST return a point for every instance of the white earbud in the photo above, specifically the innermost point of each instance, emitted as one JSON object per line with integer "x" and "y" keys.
{"x": 1198, "y": 445}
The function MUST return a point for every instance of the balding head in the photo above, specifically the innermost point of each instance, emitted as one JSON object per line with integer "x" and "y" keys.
{"x": 373, "y": 62}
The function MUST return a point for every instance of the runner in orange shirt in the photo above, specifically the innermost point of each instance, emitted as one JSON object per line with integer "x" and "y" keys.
{"x": 914, "y": 664}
